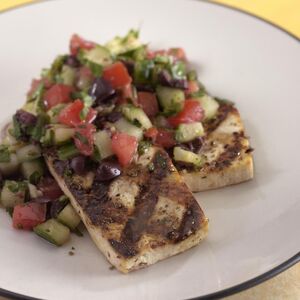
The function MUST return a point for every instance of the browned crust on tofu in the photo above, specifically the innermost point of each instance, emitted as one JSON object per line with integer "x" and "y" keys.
{"x": 137, "y": 235}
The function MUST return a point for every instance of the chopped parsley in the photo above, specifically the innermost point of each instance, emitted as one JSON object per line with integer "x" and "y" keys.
{"x": 4, "y": 154}
{"x": 87, "y": 103}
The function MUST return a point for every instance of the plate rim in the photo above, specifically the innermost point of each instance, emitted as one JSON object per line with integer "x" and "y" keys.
{"x": 243, "y": 285}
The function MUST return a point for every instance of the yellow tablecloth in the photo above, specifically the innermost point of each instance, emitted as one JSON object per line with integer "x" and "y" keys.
{"x": 286, "y": 14}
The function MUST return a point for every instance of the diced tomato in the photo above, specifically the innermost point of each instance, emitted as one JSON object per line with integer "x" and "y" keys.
{"x": 78, "y": 42}
{"x": 124, "y": 146}
{"x": 70, "y": 115}
{"x": 165, "y": 138}
{"x": 148, "y": 102}
{"x": 84, "y": 138}
{"x": 28, "y": 215}
{"x": 49, "y": 187}
{"x": 192, "y": 112}
{"x": 125, "y": 94}
{"x": 151, "y": 133}
{"x": 117, "y": 75}
{"x": 58, "y": 93}
{"x": 193, "y": 87}
{"x": 178, "y": 53}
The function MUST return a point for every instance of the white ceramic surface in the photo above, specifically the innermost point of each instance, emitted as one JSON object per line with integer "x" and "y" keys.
{"x": 254, "y": 226}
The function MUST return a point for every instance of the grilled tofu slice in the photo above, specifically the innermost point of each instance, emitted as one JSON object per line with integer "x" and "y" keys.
{"x": 143, "y": 216}
{"x": 226, "y": 151}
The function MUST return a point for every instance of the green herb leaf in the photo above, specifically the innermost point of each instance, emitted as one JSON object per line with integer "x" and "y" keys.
{"x": 67, "y": 151}
{"x": 143, "y": 70}
{"x": 15, "y": 186}
{"x": 37, "y": 94}
{"x": 144, "y": 147}
{"x": 81, "y": 138}
{"x": 39, "y": 130}
{"x": 35, "y": 177}
{"x": 95, "y": 68}
{"x": 4, "y": 154}
{"x": 87, "y": 103}
{"x": 56, "y": 68}
{"x": 96, "y": 155}
{"x": 16, "y": 131}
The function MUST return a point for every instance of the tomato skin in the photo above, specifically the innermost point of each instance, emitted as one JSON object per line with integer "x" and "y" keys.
{"x": 124, "y": 146}
{"x": 85, "y": 144}
{"x": 151, "y": 133}
{"x": 50, "y": 188}
{"x": 70, "y": 115}
{"x": 148, "y": 102}
{"x": 28, "y": 215}
{"x": 192, "y": 112}
{"x": 77, "y": 42}
{"x": 165, "y": 138}
{"x": 58, "y": 93}
{"x": 117, "y": 75}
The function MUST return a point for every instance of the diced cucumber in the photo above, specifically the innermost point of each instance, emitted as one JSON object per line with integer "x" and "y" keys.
{"x": 58, "y": 135}
{"x": 33, "y": 167}
{"x": 33, "y": 191}
{"x": 187, "y": 156}
{"x": 53, "y": 113}
{"x": 98, "y": 55}
{"x": 188, "y": 132}
{"x": 11, "y": 167}
{"x": 209, "y": 105}
{"x": 67, "y": 151}
{"x": 103, "y": 143}
{"x": 171, "y": 100}
{"x": 53, "y": 231}
{"x": 69, "y": 217}
{"x": 136, "y": 114}
{"x": 29, "y": 152}
{"x": 68, "y": 75}
{"x": 123, "y": 125}
{"x": 120, "y": 45}
{"x": 13, "y": 193}
{"x": 9, "y": 139}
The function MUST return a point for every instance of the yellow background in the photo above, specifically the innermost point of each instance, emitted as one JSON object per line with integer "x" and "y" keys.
{"x": 286, "y": 14}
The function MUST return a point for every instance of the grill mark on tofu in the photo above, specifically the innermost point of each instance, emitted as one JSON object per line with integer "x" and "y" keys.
{"x": 145, "y": 204}
{"x": 128, "y": 226}
{"x": 193, "y": 215}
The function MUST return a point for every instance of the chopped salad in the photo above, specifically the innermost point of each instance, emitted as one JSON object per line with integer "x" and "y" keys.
{"x": 99, "y": 105}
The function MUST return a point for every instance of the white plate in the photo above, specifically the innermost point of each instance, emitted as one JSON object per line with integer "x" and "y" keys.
{"x": 254, "y": 227}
